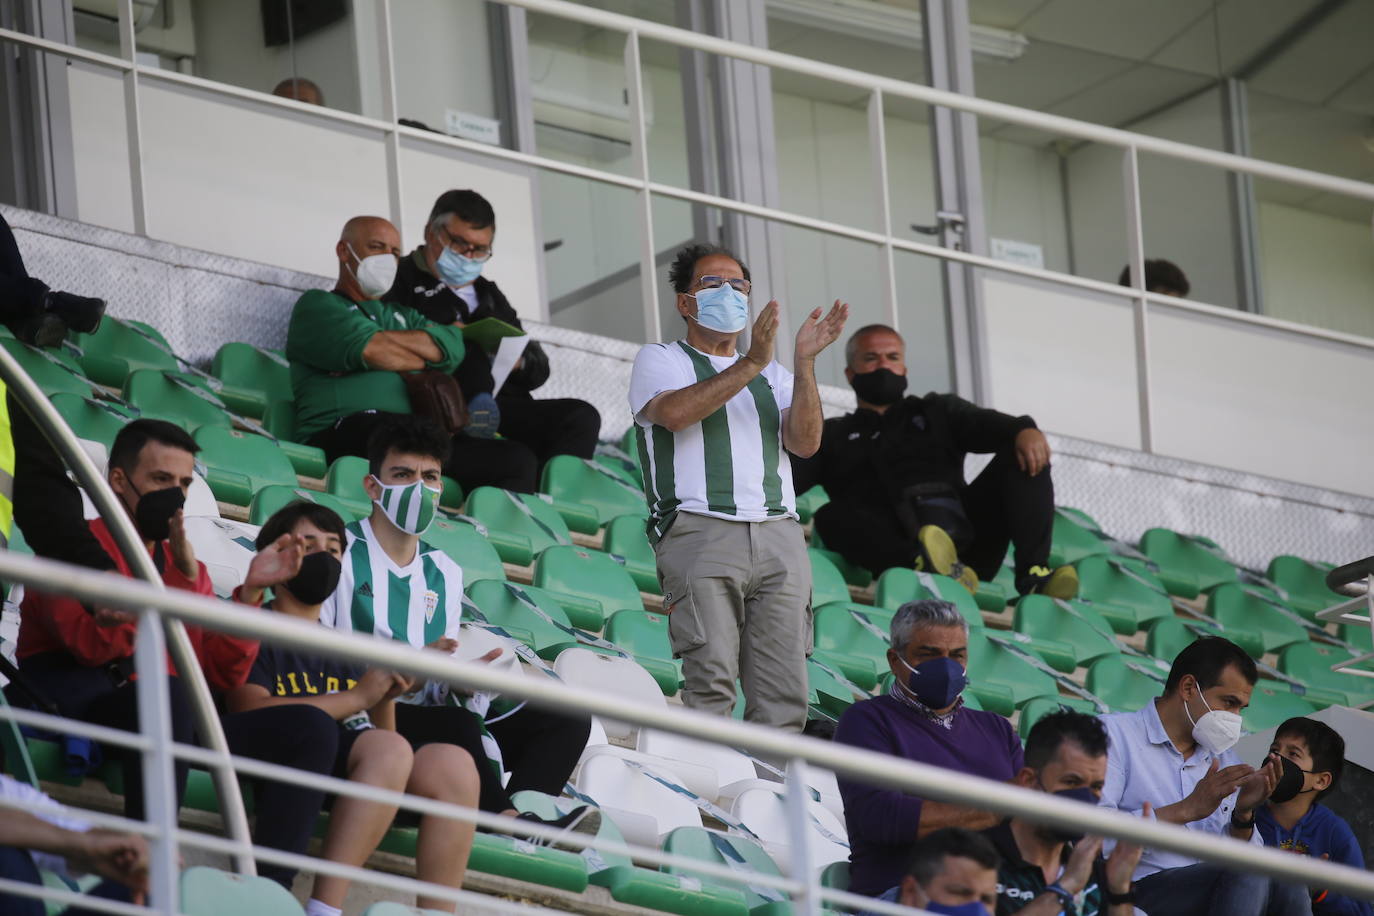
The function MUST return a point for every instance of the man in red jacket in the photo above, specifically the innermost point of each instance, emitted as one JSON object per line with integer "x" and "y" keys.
{"x": 81, "y": 658}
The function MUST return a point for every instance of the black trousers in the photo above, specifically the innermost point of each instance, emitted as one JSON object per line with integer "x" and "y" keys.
{"x": 89, "y": 695}
{"x": 298, "y": 736}
{"x": 472, "y": 462}
{"x": 538, "y": 748}
{"x": 559, "y": 426}
{"x": 1003, "y": 505}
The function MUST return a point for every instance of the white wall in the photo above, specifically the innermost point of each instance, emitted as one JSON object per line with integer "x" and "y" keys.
{"x": 1185, "y": 208}
{"x": 1317, "y": 269}
{"x": 442, "y": 60}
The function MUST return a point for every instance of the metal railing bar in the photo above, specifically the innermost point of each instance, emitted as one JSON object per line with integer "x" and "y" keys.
{"x": 45, "y": 416}
{"x": 94, "y": 818}
{"x": 72, "y": 51}
{"x": 1048, "y": 123}
{"x": 853, "y": 763}
{"x": 61, "y": 725}
{"x": 73, "y": 898}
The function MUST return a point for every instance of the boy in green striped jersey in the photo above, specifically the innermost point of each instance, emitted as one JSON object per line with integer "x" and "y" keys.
{"x": 396, "y": 586}
{"x": 714, "y": 428}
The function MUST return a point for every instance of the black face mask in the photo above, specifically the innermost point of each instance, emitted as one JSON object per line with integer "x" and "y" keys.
{"x": 153, "y": 514}
{"x": 880, "y": 387}
{"x": 1290, "y": 783}
{"x": 1061, "y": 834}
{"x": 318, "y": 578}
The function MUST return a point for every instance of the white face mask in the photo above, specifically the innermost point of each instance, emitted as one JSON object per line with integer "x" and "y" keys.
{"x": 374, "y": 273}
{"x": 1216, "y": 730}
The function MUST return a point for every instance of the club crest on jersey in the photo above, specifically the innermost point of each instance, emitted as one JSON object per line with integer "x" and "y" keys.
{"x": 431, "y": 605}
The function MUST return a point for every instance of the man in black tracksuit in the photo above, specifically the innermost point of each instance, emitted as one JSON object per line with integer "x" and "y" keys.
{"x": 442, "y": 280}
{"x": 894, "y": 470}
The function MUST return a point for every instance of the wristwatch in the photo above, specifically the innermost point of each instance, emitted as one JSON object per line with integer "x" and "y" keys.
{"x": 1238, "y": 824}
{"x": 1065, "y": 898}
{"x": 1127, "y": 897}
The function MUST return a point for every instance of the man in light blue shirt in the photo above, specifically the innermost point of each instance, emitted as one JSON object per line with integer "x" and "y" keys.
{"x": 1176, "y": 754}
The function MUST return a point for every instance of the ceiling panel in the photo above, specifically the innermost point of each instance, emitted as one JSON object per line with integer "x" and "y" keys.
{"x": 1236, "y": 32}
{"x": 1323, "y": 60}
{"x": 1125, "y": 28}
{"x": 1314, "y": 138}
{"x": 1003, "y": 14}
{"x": 856, "y": 53}
{"x": 1045, "y": 74}
{"x": 1127, "y": 96}
{"x": 1358, "y": 96}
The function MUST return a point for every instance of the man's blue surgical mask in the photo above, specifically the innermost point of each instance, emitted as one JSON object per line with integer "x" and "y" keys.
{"x": 722, "y": 308}
{"x": 972, "y": 908}
{"x": 455, "y": 269}
{"x": 936, "y": 682}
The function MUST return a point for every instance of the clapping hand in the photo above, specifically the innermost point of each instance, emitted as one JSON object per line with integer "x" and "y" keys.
{"x": 817, "y": 333}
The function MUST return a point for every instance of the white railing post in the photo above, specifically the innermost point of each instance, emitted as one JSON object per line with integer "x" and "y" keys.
{"x": 799, "y": 822}
{"x": 639, "y": 149}
{"x": 877, "y": 143}
{"x": 1135, "y": 240}
{"x": 385, "y": 52}
{"x": 133, "y": 121}
{"x": 160, "y": 797}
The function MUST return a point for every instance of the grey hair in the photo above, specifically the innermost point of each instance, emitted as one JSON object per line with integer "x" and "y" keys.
{"x": 851, "y": 346}
{"x": 928, "y": 612}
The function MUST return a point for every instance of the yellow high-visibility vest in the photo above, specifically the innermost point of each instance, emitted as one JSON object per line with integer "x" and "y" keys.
{"x": 6, "y": 470}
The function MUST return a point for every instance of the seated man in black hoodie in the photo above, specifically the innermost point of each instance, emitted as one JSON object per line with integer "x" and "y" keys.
{"x": 442, "y": 280}
{"x": 894, "y": 470}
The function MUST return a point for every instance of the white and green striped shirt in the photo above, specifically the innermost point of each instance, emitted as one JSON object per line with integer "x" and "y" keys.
{"x": 732, "y": 464}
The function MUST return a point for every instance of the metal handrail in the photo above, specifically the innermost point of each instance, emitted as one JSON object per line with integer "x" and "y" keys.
{"x": 854, "y": 763}
{"x": 31, "y": 399}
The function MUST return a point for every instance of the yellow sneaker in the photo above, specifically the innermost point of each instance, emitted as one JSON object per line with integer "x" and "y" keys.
{"x": 939, "y": 555}
{"x": 1060, "y": 583}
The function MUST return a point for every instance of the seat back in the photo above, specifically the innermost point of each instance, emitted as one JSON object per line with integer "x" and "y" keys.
{"x": 640, "y": 633}
{"x": 764, "y": 811}
{"x": 593, "y": 581}
{"x": 1073, "y": 537}
{"x": 642, "y": 808}
{"x": 898, "y": 585}
{"x": 1138, "y": 593}
{"x": 501, "y": 603}
{"x": 1076, "y": 623}
{"x": 1187, "y": 566}
{"x": 580, "y": 480}
{"x": 1273, "y": 703}
{"x": 116, "y": 349}
{"x": 269, "y": 499}
{"x": 155, "y": 394}
{"x": 90, "y": 418}
{"x": 827, "y": 582}
{"x": 610, "y": 674}
{"x": 210, "y": 892}
{"x": 1251, "y": 622}
{"x": 1126, "y": 684}
{"x": 625, "y": 537}
{"x": 1305, "y": 583}
{"x": 246, "y": 456}
{"x": 465, "y": 546}
{"x": 52, "y": 375}
{"x": 744, "y": 856}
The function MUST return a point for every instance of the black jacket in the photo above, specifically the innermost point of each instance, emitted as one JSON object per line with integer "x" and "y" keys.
{"x": 419, "y": 289}
{"x": 872, "y": 457}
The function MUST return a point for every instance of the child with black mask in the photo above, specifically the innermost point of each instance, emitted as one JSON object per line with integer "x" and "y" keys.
{"x": 1313, "y": 756}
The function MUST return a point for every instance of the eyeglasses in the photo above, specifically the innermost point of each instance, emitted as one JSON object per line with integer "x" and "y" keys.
{"x": 467, "y": 249}
{"x": 711, "y": 282}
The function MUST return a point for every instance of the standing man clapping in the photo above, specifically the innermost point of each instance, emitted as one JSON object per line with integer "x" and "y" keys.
{"x": 712, "y": 426}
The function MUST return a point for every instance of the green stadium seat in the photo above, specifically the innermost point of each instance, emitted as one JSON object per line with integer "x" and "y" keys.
{"x": 1252, "y": 623}
{"x": 994, "y": 594}
{"x": 627, "y": 538}
{"x": 465, "y": 546}
{"x": 238, "y": 464}
{"x": 853, "y": 573}
{"x": 836, "y": 876}
{"x": 843, "y": 642}
{"x": 898, "y": 585}
{"x": 116, "y": 350}
{"x": 1001, "y": 679}
{"x": 91, "y": 418}
{"x": 210, "y": 892}
{"x": 810, "y": 501}
{"x": 520, "y": 525}
{"x": 1305, "y": 583}
{"x": 391, "y": 908}
{"x": 500, "y": 603}
{"x": 1126, "y": 684}
{"x": 1129, "y": 597}
{"x": 590, "y": 585}
{"x": 269, "y": 499}
{"x": 825, "y": 691}
{"x": 155, "y": 394}
{"x": 1074, "y": 538}
{"x": 253, "y": 377}
{"x": 1169, "y": 636}
{"x": 572, "y": 480}
{"x": 1272, "y": 703}
{"x": 1188, "y": 564}
{"x": 506, "y": 857}
{"x": 623, "y": 465}
{"x": 1310, "y": 664}
{"x": 827, "y": 582}
{"x": 52, "y": 377}
{"x": 1075, "y": 623}
{"x": 1038, "y": 708}
{"x": 645, "y": 636}
{"x": 632, "y": 885}
{"x": 748, "y": 856}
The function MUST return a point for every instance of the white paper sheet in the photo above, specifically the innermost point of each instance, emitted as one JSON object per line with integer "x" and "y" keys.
{"x": 508, "y": 352}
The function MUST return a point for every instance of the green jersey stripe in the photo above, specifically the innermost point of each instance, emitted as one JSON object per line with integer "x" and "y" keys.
{"x": 435, "y": 582}
{"x": 715, "y": 431}
{"x": 766, "y": 403}
{"x": 361, "y": 610}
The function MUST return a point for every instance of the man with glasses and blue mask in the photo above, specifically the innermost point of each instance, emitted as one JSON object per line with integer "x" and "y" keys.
{"x": 714, "y": 428}
{"x": 1048, "y": 870}
{"x": 442, "y": 280}
{"x": 922, "y": 717}
{"x": 1175, "y": 754}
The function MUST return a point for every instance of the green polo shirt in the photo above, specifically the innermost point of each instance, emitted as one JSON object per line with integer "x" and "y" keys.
{"x": 325, "y": 342}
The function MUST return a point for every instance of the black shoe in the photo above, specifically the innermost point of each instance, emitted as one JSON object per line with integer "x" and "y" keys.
{"x": 583, "y": 819}
{"x": 80, "y": 313}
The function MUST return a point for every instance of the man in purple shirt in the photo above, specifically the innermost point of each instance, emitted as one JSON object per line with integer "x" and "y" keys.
{"x": 922, "y": 718}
